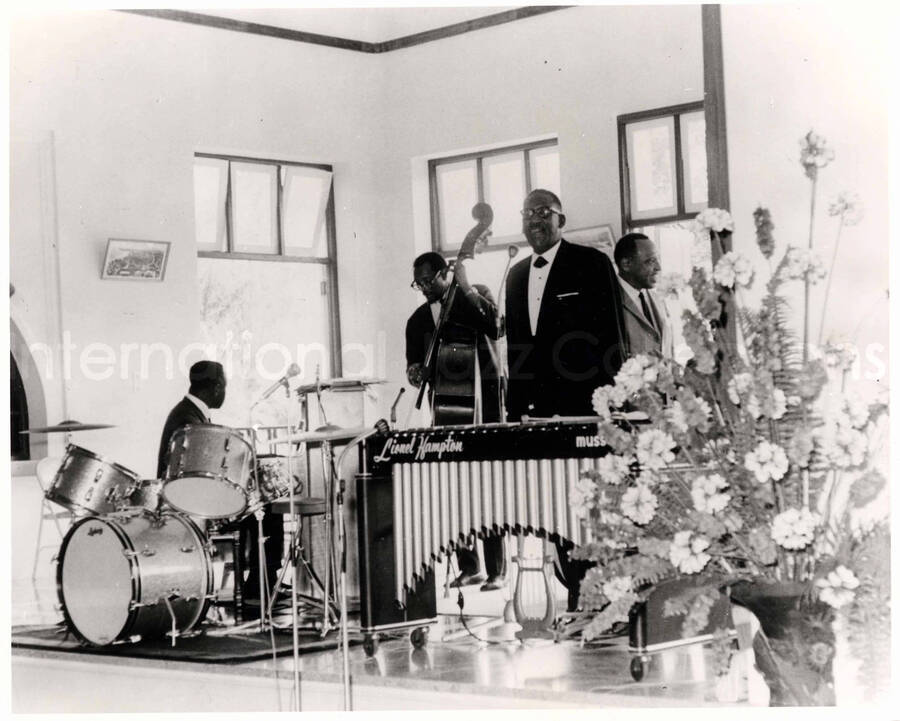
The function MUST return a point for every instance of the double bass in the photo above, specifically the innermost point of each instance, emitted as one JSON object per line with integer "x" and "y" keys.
{"x": 451, "y": 363}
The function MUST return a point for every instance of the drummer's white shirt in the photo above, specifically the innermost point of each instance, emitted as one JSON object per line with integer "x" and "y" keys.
{"x": 200, "y": 404}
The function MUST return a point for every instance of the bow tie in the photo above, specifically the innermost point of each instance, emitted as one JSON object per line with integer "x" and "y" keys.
{"x": 540, "y": 262}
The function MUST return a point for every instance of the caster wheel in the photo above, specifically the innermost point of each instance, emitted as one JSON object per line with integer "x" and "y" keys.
{"x": 370, "y": 645}
{"x": 638, "y": 667}
{"x": 419, "y": 637}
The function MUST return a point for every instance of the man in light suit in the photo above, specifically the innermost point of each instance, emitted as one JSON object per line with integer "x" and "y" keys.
{"x": 647, "y": 327}
{"x": 563, "y": 333}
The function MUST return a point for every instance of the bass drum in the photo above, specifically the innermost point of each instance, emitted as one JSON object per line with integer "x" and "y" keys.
{"x": 116, "y": 574}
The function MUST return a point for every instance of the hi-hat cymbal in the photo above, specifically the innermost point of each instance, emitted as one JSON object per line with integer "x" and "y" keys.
{"x": 326, "y": 433}
{"x": 69, "y": 427}
{"x": 337, "y": 384}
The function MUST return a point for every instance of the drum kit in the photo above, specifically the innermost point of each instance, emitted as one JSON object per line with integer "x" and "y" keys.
{"x": 148, "y": 558}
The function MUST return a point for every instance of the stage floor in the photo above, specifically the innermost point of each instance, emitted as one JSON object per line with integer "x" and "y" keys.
{"x": 453, "y": 670}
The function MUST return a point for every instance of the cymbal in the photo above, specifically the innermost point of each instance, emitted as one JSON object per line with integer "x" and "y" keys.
{"x": 326, "y": 433}
{"x": 337, "y": 384}
{"x": 68, "y": 427}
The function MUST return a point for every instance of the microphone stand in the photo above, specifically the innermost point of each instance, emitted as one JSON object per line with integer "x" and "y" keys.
{"x": 380, "y": 427}
{"x": 501, "y": 331}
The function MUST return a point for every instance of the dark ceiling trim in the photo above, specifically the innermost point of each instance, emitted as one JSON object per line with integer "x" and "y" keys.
{"x": 361, "y": 46}
{"x": 214, "y": 21}
{"x": 488, "y": 21}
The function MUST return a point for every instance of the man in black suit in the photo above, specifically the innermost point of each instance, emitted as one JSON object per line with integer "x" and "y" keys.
{"x": 563, "y": 331}
{"x": 473, "y": 315}
{"x": 206, "y": 392}
{"x": 562, "y": 320}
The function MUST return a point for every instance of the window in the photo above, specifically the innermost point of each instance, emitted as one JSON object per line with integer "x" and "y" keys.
{"x": 501, "y": 177}
{"x": 662, "y": 164}
{"x": 267, "y": 275}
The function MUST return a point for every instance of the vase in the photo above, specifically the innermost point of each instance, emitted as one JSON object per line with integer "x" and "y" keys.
{"x": 795, "y": 647}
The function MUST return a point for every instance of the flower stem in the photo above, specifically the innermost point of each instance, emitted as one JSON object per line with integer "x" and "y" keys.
{"x": 812, "y": 216}
{"x": 837, "y": 243}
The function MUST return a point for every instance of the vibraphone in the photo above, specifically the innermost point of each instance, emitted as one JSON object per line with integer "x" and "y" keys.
{"x": 421, "y": 492}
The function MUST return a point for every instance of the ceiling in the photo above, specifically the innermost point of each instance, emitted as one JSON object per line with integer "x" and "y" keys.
{"x": 368, "y": 24}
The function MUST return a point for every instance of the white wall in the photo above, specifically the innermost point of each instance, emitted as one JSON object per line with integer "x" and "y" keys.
{"x": 129, "y": 100}
{"x": 822, "y": 67}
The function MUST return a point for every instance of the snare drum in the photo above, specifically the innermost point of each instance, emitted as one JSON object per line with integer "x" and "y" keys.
{"x": 208, "y": 473}
{"x": 116, "y": 574}
{"x": 86, "y": 481}
{"x": 272, "y": 477}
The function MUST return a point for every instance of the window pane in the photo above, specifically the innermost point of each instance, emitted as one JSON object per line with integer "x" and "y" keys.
{"x": 457, "y": 188}
{"x": 253, "y": 194}
{"x": 260, "y": 317}
{"x": 651, "y": 167}
{"x": 545, "y": 168}
{"x": 306, "y": 193}
{"x": 693, "y": 156}
{"x": 210, "y": 178}
{"x": 504, "y": 190}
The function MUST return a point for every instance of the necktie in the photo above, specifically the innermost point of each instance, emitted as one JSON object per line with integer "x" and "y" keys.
{"x": 645, "y": 306}
{"x": 540, "y": 262}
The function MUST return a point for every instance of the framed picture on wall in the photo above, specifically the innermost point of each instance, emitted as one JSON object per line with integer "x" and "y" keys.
{"x": 135, "y": 259}
{"x": 598, "y": 236}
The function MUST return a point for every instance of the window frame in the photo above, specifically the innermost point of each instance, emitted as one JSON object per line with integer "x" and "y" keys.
{"x": 478, "y": 156}
{"x": 622, "y": 121}
{"x": 330, "y": 261}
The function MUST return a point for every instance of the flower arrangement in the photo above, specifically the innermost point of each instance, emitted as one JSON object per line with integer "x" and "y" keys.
{"x": 750, "y": 462}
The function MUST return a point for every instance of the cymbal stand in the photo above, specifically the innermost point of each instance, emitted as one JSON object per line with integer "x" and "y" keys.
{"x": 328, "y": 480}
{"x": 295, "y": 632}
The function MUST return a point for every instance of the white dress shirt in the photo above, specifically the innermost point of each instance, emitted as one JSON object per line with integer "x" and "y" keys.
{"x": 200, "y": 404}
{"x": 632, "y": 292}
{"x": 435, "y": 311}
{"x": 537, "y": 281}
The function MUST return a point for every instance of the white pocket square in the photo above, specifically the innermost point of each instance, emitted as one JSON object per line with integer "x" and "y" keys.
{"x": 568, "y": 295}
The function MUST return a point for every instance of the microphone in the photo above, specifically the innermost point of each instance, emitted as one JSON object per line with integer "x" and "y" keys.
{"x": 512, "y": 251}
{"x": 394, "y": 406}
{"x": 381, "y": 426}
{"x": 292, "y": 370}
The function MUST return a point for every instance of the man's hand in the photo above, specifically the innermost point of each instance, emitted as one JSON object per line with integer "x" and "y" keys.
{"x": 415, "y": 374}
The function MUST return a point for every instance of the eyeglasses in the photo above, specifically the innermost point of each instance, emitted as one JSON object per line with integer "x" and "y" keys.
{"x": 543, "y": 212}
{"x": 424, "y": 284}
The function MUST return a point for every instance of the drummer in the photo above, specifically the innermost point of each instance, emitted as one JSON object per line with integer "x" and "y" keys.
{"x": 207, "y": 392}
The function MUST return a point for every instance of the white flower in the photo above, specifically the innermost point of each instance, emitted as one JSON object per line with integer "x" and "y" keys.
{"x": 767, "y": 462}
{"x": 617, "y": 587}
{"x": 739, "y": 385}
{"x": 836, "y": 589}
{"x": 775, "y": 405}
{"x": 856, "y": 411}
{"x": 716, "y": 219}
{"x": 841, "y": 446}
{"x": 706, "y": 496}
{"x": 733, "y": 269}
{"x": 636, "y": 373}
{"x": 669, "y": 285}
{"x": 847, "y": 205}
{"x": 639, "y": 504}
{"x": 840, "y": 355}
{"x": 654, "y": 449}
{"x": 584, "y": 496}
{"x": 600, "y": 402}
{"x": 803, "y": 263}
{"x": 676, "y": 416}
{"x": 794, "y": 528}
{"x": 613, "y": 468}
{"x": 687, "y": 552}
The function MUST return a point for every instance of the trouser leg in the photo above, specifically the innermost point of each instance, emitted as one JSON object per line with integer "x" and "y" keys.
{"x": 494, "y": 556}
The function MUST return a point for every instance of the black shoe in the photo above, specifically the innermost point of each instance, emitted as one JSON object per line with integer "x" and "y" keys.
{"x": 494, "y": 583}
{"x": 466, "y": 579}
